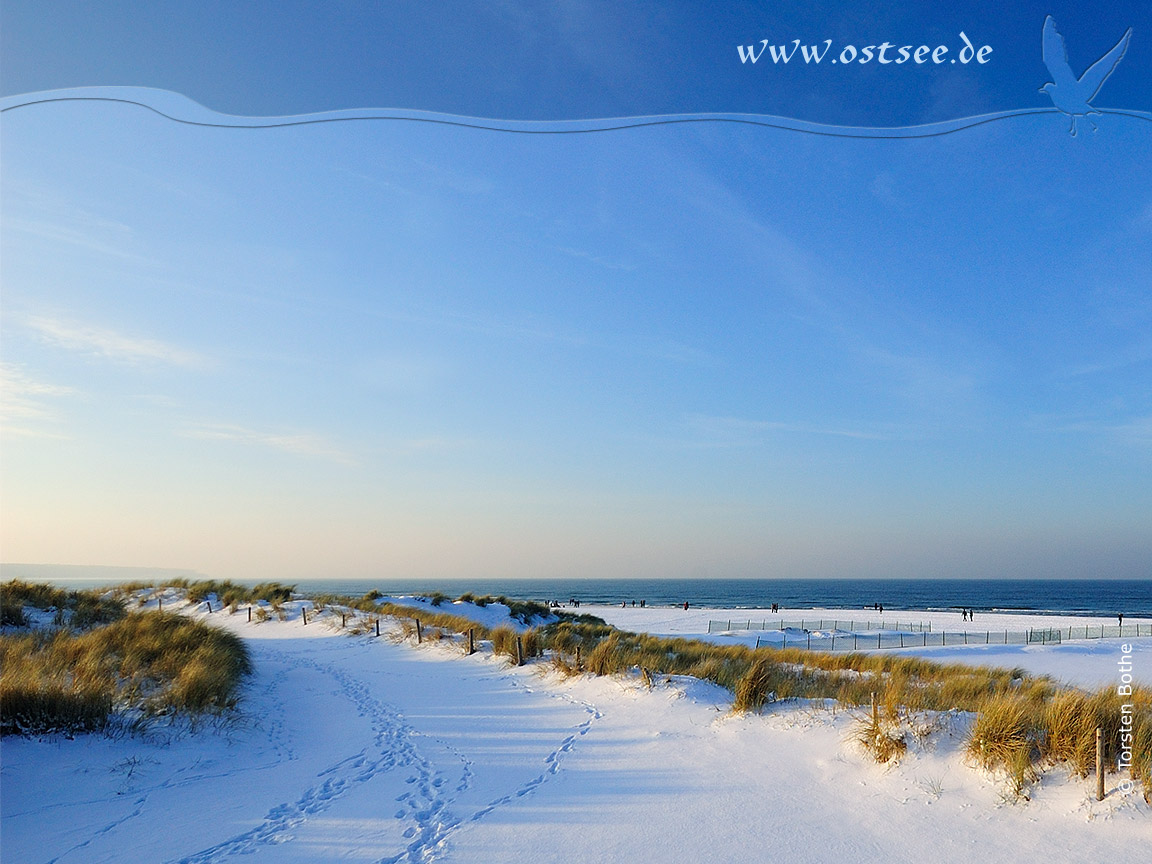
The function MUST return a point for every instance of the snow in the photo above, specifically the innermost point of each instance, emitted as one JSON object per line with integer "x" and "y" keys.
{"x": 354, "y": 748}
{"x": 492, "y": 615}
{"x": 1082, "y": 662}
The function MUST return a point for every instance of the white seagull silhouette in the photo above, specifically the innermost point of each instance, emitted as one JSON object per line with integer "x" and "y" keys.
{"x": 1069, "y": 94}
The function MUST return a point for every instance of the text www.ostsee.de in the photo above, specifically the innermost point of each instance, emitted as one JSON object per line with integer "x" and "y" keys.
{"x": 884, "y": 53}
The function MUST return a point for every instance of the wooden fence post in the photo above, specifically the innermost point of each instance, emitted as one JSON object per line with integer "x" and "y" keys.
{"x": 471, "y": 641}
{"x": 304, "y": 612}
{"x": 419, "y": 632}
{"x": 159, "y": 604}
{"x": 208, "y": 603}
{"x": 249, "y": 614}
{"x": 577, "y": 657}
{"x": 1099, "y": 764}
{"x": 519, "y": 651}
{"x": 377, "y": 626}
{"x": 343, "y": 620}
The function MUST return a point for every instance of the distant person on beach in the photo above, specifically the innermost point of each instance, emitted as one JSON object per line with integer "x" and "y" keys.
{"x": 881, "y": 608}
{"x": 641, "y": 604}
{"x": 685, "y": 605}
{"x": 963, "y": 614}
{"x": 1120, "y": 618}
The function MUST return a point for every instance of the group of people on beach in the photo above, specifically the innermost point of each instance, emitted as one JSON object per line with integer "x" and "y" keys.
{"x": 965, "y": 614}
{"x": 624, "y": 604}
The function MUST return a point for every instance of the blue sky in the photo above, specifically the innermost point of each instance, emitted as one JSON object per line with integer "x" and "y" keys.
{"x": 385, "y": 348}
{"x": 529, "y": 59}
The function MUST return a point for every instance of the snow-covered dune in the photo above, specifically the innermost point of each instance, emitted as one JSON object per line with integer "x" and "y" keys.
{"x": 352, "y": 748}
{"x": 1083, "y": 662}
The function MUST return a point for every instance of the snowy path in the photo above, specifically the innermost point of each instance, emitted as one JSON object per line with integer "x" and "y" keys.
{"x": 359, "y": 749}
{"x": 329, "y": 760}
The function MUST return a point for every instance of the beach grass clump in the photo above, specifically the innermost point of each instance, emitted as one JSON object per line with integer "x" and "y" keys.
{"x": 881, "y": 738}
{"x": 755, "y": 686}
{"x": 1006, "y": 735}
{"x": 156, "y": 663}
{"x": 39, "y": 692}
{"x": 79, "y": 610}
{"x": 1070, "y": 720}
{"x": 229, "y": 593}
{"x": 607, "y": 658}
{"x": 12, "y": 612}
{"x": 503, "y": 642}
{"x": 1021, "y": 732}
{"x": 525, "y": 610}
{"x": 565, "y": 665}
{"x": 1141, "y": 748}
{"x": 443, "y": 620}
{"x": 522, "y": 610}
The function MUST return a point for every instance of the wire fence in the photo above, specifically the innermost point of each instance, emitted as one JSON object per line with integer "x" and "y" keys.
{"x": 1107, "y": 631}
{"x": 816, "y": 640}
{"x": 820, "y": 641}
{"x": 817, "y": 624}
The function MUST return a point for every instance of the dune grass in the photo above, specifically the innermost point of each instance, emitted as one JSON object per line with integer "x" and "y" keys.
{"x": 77, "y": 609}
{"x": 229, "y": 593}
{"x": 1022, "y": 723}
{"x": 155, "y": 663}
{"x": 1019, "y": 734}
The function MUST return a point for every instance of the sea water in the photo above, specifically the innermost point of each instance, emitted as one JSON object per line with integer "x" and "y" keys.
{"x": 1050, "y": 596}
{"x": 1098, "y": 597}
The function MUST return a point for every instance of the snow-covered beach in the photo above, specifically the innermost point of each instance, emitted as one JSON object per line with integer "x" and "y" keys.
{"x": 365, "y": 749}
{"x": 1087, "y": 662}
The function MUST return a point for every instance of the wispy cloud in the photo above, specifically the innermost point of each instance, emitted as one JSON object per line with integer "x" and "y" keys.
{"x": 101, "y": 237}
{"x": 1131, "y": 356}
{"x": 25, "y": 408}
{"x": 295, "y": 443}
{"x": 1133, "y": 431}
{"x": 598, "y": 260}
{"x": 738, "y": 431}
{"x": 109, "y": 344}
{"x": 57, "y": 220}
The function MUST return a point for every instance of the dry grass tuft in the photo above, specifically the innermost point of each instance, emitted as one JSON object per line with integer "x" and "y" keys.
{"x": 79, "y": 610}
{"x": 503, "y": 642}
{"x": 756, "y": 686}
{"x": 1005, "y": 737}
{"x": 157, "y": 663}
{"x": 880, "y": 738}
